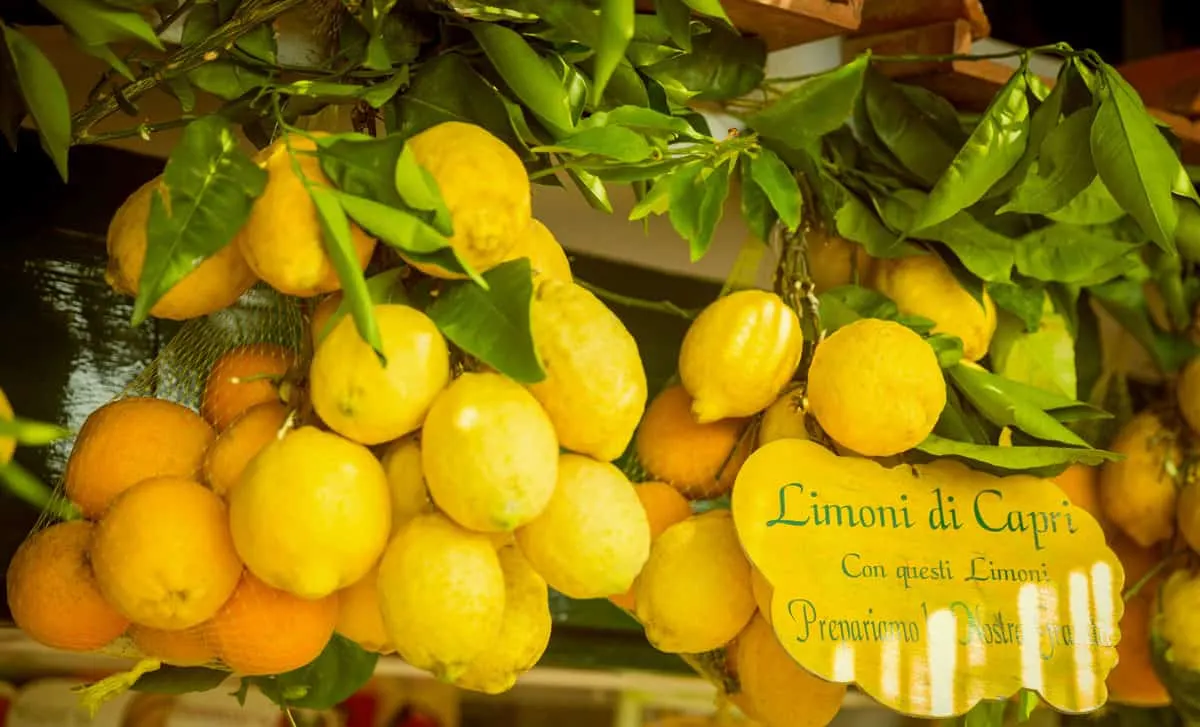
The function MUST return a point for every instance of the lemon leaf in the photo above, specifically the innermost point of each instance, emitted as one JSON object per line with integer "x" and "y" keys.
{"x": 43, "y": 93}
{"x": 342, "y": 668}
{"x": 339, "y": 246}
{"x": 180, "y": 680}
{"x": 1007, "y": 405}
{"x": 493, "y": 324}
{"x": 1011, "y": 460}
{"x": 31, "y": 433}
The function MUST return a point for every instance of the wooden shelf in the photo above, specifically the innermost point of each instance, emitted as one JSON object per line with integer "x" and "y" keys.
{"x": 785, "y": 23}
{"x": 951, "y": 36}
{"x": 882, "y": 16}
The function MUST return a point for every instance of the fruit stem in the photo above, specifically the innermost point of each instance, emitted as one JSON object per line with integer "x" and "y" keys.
{"x": 1158, "y": 568}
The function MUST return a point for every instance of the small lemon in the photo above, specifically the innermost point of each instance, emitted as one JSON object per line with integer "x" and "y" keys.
{"x": 485, "y": 188}
{"x": 360, "y": 618}
{"x": 785, "y": 418}
{"x": 876, "y": 387}
{"x": 593, "y": 538}
{"x": 834, "y": 261}
{"x": 441, "y": 588}
{"x": 1187, "y": 394}
{"x": 365, "y": 400}
{"x": 1138, "y": 493}
{"x": 738, "y": 354}
{"x": 1177, "y": 619}
{"x": 489, "y": 453}
{"x": 312, "y": 513}
{"x": 923, "y": 285}
{"x": 595, "y": 385}
{"x": 406, "y": 480}
{"x": 524, "y": 630}
{"x": 695, "y": 593}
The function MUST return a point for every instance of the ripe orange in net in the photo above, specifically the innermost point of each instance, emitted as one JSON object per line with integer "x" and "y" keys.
{"x": 262, "y": 630}
{"x": 1133, "y": 680}
{"x": 163, "y": 553}
{"x": 130, "y": 440}
{"x": 245, "y": 437}
{"x": 185, "y": 647}
{"x": 699, "y": 460}
{"x": 52, "y": 592}
{"x": 664, "y": 507}
{"x": 242, "y": 377}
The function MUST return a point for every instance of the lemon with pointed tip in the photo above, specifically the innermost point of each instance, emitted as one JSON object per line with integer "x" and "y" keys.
{"x": 738, "y": 354}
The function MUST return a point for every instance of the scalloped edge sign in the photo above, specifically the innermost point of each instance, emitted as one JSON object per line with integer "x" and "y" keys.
{"x": 934, "y": 586}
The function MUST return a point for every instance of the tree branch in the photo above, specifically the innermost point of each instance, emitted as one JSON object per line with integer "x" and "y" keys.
{"x": 250, "y": 16}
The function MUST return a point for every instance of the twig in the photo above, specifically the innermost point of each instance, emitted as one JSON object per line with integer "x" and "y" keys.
{"x": 253, "y": 14}
{"x": 1159, "y": 567}
{"x": 142, "y": 130}
{"x": 660, "y": 306}
{"x": 174, "y": 15}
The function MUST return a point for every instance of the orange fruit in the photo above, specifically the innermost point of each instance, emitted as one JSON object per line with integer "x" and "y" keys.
{"x": 262, "y": 630}
{"x": 664, "y": 507}
{"x": 776, "y": 689}
{"x": 359, "y": 616}
{"x": 163, "y": 553}
{"x": 7, "y": 444}
{"x": 321, "y": 315}
{"x": 52, "y": 591}
{"x": 244, "y": 438}
{"x": 129, "y": 440}
{"x": 186, "y": 647}
{"x": 699, "y": 460}
{"x": 242, "y": 377}
{"x": 1133, "y": 681}
{"x": 1082, "y": 487}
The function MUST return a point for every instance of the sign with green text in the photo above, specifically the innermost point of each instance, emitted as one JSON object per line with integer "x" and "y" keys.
{"x": 931, "y": 586}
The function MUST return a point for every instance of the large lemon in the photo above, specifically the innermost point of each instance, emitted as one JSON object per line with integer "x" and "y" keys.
{"x": 876, "y": 387}
{"x": 283, "y": 239}
{"x": 546, "y": 256}
{"x": 369, "y": 401}
{"x": 489, "y": 453}
{"x": 312, "y": 513}
{"x": 1138, "y": 493}
{"x": 485, "y": 188}
{"x": 738, "y": 354}
{"x": 778, "y": 691}
{"x": 595, "y": 385}
{"x": 1177, "y": 619}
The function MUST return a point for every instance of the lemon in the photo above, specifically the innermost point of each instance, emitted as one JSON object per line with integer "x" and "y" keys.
{"x": 785, "y": 418}
{"x": 1138, "y": 493}
{"x": 546, "y": 256}
{"x": 489, "y": 453}
{"x": 406, "y": 480}
{"x": 1177, "y": 619}
{"x": 359, "y": 616}
{"x": 442, "y": 592}
{"x": 763, "y": 592}
{"x": 738, "y": 354}
{"x": 595, "y": 385}
{"x": 283, "y": 239}
{"x": 778, "y": 691}
{"x": 876, "y": 387}
{"x": 923, "y": 285}
{"x": 695, "y": 593}
{"x": 485, "y": 188}
{"x": 1187, "y": 394}
{"x": 365, "y": 400}
{"x": 524, "y": 630}
{"x": 594, "y": 536}
{"x": 834, "y": 261}
{"x": 312, "y": 513}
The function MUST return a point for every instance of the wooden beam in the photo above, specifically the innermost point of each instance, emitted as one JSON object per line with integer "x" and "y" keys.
{"x": 785, "y": 23}
{"x": 881, "y": 16}
{"x": 952, "y": 36}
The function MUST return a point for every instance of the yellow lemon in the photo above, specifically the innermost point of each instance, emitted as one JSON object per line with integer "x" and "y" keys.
{"x": 1177, "y": 619}
{"x": 360, "y": 618}
{"x": 876, "y": 387}
{"x": 312, "y": 513}
{"x": 369, "y": 401}
{"x": 593, "y": 537}
{"x": 595, "y": 386}
{"x": 406, "y": 480}
{"x": 834, "y": 261}
{"x": 778, "y": 691}
{"x": 1138, "y": 493}
{"x": 546, "y": 256}
{"x": 785, "y": 418}
{"x": 738, "y": 354}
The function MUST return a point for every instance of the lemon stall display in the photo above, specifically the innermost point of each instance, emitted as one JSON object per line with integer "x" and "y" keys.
{"x": 397, "y": 421}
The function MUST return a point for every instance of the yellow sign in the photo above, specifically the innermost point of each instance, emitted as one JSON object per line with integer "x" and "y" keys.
{"x": 931, "y": 586}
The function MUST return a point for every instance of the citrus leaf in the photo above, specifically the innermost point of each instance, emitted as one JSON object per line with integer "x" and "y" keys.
{"x": 697, "y": 201}
{"x": 493, "y": 325}
{"x": 961, "y": 423}
{"x": 711, "y": 8}
{"x": 657, "y": 200}
{"x": 937, "y": 111}
{"x": 30, "y": 433}
{"x": 1005, "y": 407}
{"x": 400, "y": 229}
{"x": 903, "y": 130}
{"x": 824, "y": 102}
{"x": 1125, "y": 300}
{"x": 845, "y": 304}
{"x": 614, "y": 142}
{"x": 1025, "y": 302}
{"x": 723, "y": 64}
{"x": 226, "y": 79}
{"x": 339, "y": 246}
{"x": 992, "y": 149}
{"x": 643, "y": 120}
{"x": 616, "y": 30}
{"x": 528, "y": 74}
{"x": 769, "y": 172}
{"x": 44, "y": 94}
{"x": 1012, "y": 459}
{"x": 21, "y": 484}
{"x": 592, "y": 188}
{"x": 1135, "y": 161}
{"x": 949, "y": 349}
{"x": 1093, "y": 206}
{"x": 209, "y": 188}
{"x": 98, "y": 23}
{"x": 857, "y": 222}
{"x": 676, "y": 18}
{"x": 986, "y": 254}
{"x": 757, "y": 211}
{"x": 169, "y": 679}
{"x": 341, "y": 670}
{"x": 386, "y": 287}
{"x": 1066, "y": 253}
{"x": 1063, "y": 169}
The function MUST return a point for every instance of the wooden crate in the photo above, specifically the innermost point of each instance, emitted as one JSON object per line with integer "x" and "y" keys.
{"x": 785, "y": 23}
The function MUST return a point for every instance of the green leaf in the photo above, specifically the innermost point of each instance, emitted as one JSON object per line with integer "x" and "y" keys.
{"x": 949, "y": 349}
{"x": 1093, "y": 206}
{"x": 614, "y": 142}
{"x": 1134, "y": 160}
{"x": 386, "y": 287}
{"x": 226, "y": 79}
{"x": 722, "y": 65}
{"x": 21, "y": 484}
{"x": 1063, "y": 169}
{"x": 330, "y": 679}
{"x": 677, "y": 20}
{"x": 845, "y": 304}
{"x": 380, "y": 93}
{"x": 857, "y": 222}
{"x": 616, "y": 30}
{"x": 339, "y": 246}
{"x": 169, "y": 679}
{"x": 643, "y": 120}
{"x": 959, "y": 422}
{"x": 1125, "y": 300}
{"x": 988, "y": 255}
{"x": 402, "y": 230}
{"x": 711, "y": 8}
{"x": 493, "y": 325}
{"x": 574, "y": 83}
{"x": 626, "y": 87}
{"x": 698, "y": 195}
{"x": 209, "y": 189}
{"x": 1066, "y": 253}
{"x": 991, "y": 150}
{"x": 903, "y": 130}
{"x": 1007, "y": 460}
{"x": 97, "y": 23}
{"x": 44, "y": 94}
{"x": 757, "y": 211}
{"x": 769, "y": 172}
{"x": 988, "y": 713}
{"x": 1025, "y": 302}
{"x": 657, "y": 200}
{"x": 30, "y": 433}
{"x": 939, "y": 112}
{"x": 1004, "y": 406}
{"x": 1044, "y": 358}
{"x": 529, "y": 75}
{"x": 822, "y": 102}
{"x": 592, "y": 188}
